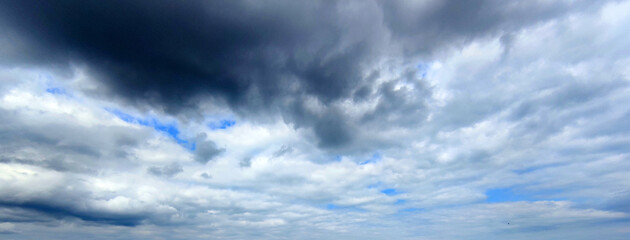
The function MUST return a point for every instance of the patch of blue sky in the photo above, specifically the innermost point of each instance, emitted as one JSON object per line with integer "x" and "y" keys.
{"x": 400, "y": 201}
{"x": 223, "y": 124}
{"x": 57, "y": 91}
{"x": 169, "y": 129}
{"x": 503, "y": 195}
{"x": 122, "y": 116}
{"x": 374, "y": 159}
{"x": 423, "y": 68}
{"x": 50, "y": 83}
{"x": 390, "y": 192}
{"x": 498, "y": 195}
{"x": 410, "y": 210}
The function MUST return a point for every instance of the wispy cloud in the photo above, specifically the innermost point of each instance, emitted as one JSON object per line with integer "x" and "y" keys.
{"x": 314, "y": 120}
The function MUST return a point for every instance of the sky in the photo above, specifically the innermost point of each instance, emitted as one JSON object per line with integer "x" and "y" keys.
{"x": 415, "y": 120}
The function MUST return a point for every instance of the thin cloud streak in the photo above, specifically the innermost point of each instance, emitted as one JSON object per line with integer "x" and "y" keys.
{"x": 314, "y": 120}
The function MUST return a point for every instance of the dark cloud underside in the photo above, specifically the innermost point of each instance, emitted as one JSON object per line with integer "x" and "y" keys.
{"x": 256, "y": 57}
{"x": 250, "y": 119}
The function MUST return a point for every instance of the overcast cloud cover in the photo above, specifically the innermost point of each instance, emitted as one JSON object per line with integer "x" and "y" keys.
{"x": 159, "y": 119}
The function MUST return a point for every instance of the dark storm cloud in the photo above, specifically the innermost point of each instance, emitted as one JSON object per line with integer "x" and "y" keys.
{"x": 254, "y": 56}
{"x": 176, "y": 50}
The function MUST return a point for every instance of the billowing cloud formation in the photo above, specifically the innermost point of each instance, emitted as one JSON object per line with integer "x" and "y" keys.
{"x": 314, "y": 120}
{"x": 253, "y": 57}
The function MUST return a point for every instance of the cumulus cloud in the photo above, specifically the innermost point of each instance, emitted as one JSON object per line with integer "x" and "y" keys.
{"x": 314, "y": 120}
{"x": 259, "y": 60}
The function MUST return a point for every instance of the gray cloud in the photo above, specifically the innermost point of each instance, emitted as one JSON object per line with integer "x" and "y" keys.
{"x": 62, "y": 146}
{"x": 253, "y": 57}
{"x": 284, "y": 149}
{"x": 245, "y": 162}
{"x": 205, "y": 150}
{"x": 428, "y": 25}
{"x": 167, "y": 171}
{"x": 349, "y": 120}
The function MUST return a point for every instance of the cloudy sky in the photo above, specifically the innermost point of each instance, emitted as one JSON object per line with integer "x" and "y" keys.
{"x": 435, "y": 119}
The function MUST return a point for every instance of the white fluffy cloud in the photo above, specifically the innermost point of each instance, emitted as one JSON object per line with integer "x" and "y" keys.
{"x": 516, "y": 134}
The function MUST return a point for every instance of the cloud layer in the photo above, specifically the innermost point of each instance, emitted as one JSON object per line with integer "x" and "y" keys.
{"x": 314, "y": 120}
